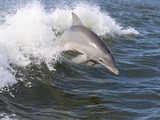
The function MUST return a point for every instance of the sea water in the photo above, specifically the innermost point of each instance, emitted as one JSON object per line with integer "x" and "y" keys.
{"x": 37, "y": 83}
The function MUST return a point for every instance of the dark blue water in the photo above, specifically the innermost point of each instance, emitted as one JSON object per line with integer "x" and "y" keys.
{"x": 77, "y": 92}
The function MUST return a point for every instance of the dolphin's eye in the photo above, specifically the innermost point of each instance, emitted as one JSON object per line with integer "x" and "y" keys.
{"x": 100, "y": 60}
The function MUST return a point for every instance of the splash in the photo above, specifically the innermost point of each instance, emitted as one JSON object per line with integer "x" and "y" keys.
{"x": 92, "y": 17}
{"x": 24, "y": 34}
{"x": 4, "y": 116}
{"x": 32, "y": 31}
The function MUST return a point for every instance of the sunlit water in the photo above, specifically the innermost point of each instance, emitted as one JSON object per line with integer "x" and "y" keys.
{"x": 37, "y": 82}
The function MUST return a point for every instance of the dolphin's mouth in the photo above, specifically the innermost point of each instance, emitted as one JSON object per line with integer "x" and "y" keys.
{"x": 113, "y": 69}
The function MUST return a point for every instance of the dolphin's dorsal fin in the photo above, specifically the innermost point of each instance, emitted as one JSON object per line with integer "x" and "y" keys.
{"x": 76, "y": 20}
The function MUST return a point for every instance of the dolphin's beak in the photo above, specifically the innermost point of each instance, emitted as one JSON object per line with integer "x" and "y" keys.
{"x": 113, "y": 69}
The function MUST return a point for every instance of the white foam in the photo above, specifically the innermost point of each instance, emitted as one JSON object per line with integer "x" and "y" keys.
{"x": 5, "y": 116}
{"x": 92, "y": 17}
{"x": 29, "y": 32}
{"x": 24, "y": 34}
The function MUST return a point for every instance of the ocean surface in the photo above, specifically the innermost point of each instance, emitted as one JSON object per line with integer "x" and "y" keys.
{"x": 37, "y": 82}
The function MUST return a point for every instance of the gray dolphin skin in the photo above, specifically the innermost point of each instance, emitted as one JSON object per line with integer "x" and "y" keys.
{"x": 92, "y": 50}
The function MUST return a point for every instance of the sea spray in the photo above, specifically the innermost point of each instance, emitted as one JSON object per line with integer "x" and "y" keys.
{"x": 92, "y": 17}
{"x": 24, "y": 34}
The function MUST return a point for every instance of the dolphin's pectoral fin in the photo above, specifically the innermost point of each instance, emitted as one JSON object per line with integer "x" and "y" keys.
{"x": 79, "y": 59}
{"x": 90, "y": 63}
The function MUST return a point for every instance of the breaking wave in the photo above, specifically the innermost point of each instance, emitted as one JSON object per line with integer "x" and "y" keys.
{"x": 31, "y": 33}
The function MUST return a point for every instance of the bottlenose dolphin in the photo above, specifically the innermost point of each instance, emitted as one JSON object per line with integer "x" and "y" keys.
{"x": 88, "y": 44}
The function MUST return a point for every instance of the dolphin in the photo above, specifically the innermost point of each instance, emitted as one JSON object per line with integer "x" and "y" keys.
{"x": 92, "y": 50}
